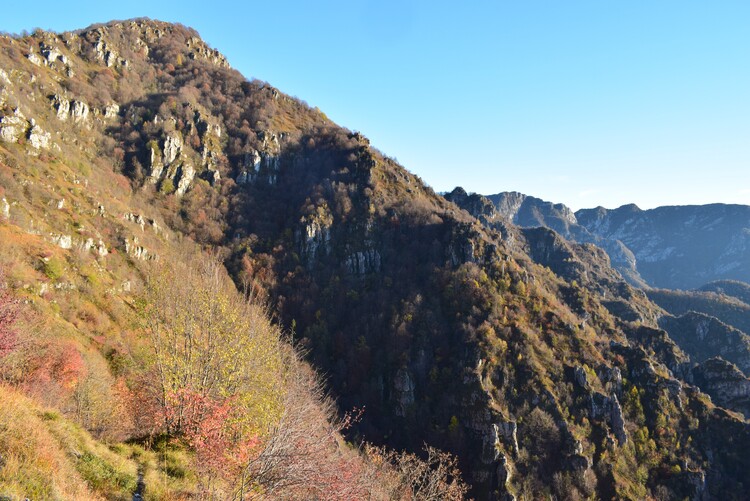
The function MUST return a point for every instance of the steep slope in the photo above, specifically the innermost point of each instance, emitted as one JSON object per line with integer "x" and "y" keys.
{"x": 115, "y": 325}
{"x": 525, "y": 355}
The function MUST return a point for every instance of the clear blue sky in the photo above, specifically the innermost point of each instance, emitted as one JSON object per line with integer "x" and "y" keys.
{"x": 582, "y": 102}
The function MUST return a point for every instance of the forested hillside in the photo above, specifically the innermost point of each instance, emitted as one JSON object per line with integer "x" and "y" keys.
{"x": 158, "y": 207}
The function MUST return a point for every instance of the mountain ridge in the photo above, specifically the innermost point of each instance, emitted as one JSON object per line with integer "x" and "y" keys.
{"x": 524, "y": 354}
{"x": 646, "y": 245}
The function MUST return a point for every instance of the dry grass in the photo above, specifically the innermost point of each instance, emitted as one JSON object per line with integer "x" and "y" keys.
{"x": 34, "y": 465}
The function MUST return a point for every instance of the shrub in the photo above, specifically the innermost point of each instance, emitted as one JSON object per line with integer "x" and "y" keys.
{"x": 53, "y": 268}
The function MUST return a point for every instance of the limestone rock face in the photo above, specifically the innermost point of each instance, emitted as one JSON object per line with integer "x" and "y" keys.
{"x": 403, "y": 387}
{"x": 199, "y": 50}
{"x": 608, "y": 409}
{"x": 252, "y": 161}
{"x": 648, "y": 247}
{"x": 52, "y": 54}
{"x": 171, "y": 163}
{"x": 581, "y": 378}
{"x": 138, "y": 219}
{"x": 5, "y": 208}
{"x": 172, "y": 148}
{"x": 79, "y": 111}
{"x": 34, "y": 58}
{"x": 477, "y": 205}
{"x": 612, "y": 378}
{"x": 156, "y": 166}
{"x": 186, "y": 175}
{"x": 362, "y": 262}
{"x": 111, "y": 110}
{"x": 39, "y": 139}
{"x": 508, "y": 432}
{"x": 13, "y": 127}
{"x": 505, "y": 478}
{"x": 107, "y": 55}
{"x": 270, "y": 155}
{"x": 133, "y": 248}
{"x": 101, "y": 249}
{"x": 62, "y": 241}
{"x": 62, "y": 106}
{"x": 315, "y": 235}
{"x": 679, "y": 247}
{"x": 618, "y": 421}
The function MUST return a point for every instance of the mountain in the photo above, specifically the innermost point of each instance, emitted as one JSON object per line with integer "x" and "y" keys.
{"x": 531, "y": 212}
{"x": 679, "y": 247}
{"x": 134, "y": 145}
{"x": 668, "y": 247}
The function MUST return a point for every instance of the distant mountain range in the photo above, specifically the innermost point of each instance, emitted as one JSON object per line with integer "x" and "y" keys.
{"x": 676, "y": 247}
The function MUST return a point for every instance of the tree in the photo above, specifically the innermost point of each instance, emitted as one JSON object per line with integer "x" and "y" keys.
{"x": 217, "y": 362}
{"x": 434, "y": 478}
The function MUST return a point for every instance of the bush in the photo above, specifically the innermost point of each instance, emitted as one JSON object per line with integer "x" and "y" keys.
{"x": 53, "y": 268}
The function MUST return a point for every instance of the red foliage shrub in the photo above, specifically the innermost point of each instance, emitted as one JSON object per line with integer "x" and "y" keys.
{"x": 208, "y": 427}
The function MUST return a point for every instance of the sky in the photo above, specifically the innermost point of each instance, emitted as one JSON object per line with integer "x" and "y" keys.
{"x": 586, "y": 103}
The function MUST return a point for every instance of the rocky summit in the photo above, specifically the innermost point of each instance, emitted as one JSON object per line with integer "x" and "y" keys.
{"x": 492, "y": 348}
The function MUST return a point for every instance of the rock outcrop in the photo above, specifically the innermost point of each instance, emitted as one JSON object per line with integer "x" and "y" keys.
{"x": 608, "y": 408}
{"x": 403, "y": 387}
{"x": 39, "y": 139}
{"x": 13, "y": 127}
{"x": 725, "y": 383}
